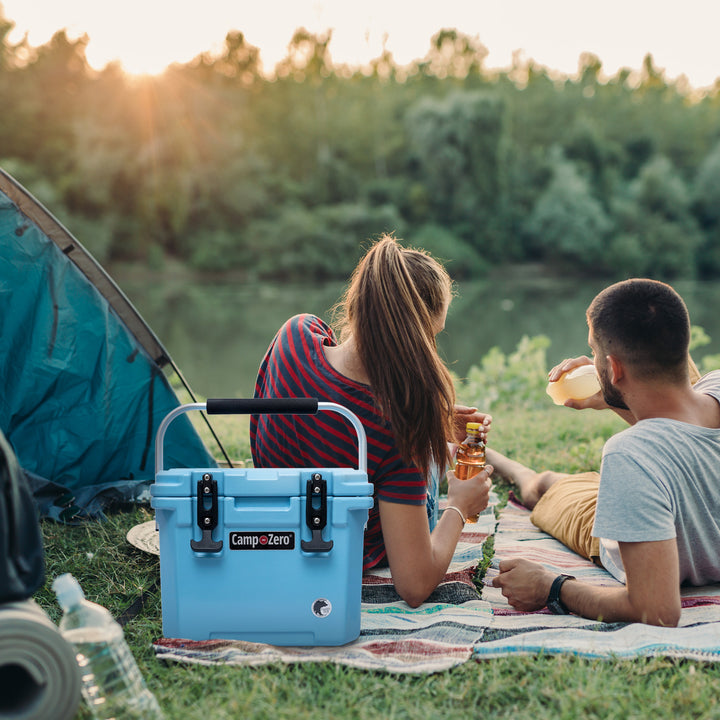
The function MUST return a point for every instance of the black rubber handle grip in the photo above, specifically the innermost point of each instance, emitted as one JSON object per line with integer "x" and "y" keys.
{"x": 262, "y": 406}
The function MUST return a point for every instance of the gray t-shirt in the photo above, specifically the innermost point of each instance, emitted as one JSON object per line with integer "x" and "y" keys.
{"x": 660, "y": 479}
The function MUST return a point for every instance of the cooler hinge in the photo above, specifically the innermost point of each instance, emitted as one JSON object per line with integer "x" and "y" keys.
{"x": 316, "y": 514}
{"x": 207, "y": 515}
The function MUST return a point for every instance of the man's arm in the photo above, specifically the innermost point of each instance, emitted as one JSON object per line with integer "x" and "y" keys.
{"x": 651, "y": 595}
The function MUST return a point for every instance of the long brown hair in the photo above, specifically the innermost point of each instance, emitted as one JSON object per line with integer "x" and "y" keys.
{"x": 395, "y": 297}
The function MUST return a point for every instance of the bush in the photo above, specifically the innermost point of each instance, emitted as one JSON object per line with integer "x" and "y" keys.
{"x": 322, "y": 243}
{"x": 461, "y": 259}
{"x": 517, "y": 380}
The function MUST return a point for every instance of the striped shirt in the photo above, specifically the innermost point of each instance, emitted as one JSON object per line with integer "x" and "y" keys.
{"x": 295, "y": 366}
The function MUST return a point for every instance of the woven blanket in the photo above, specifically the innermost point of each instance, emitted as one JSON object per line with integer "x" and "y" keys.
{"x": 514, "y": 632}
{"x": 394, "y": 637}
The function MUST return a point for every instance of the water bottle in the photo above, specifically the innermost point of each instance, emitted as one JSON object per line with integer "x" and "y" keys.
{"x": 112, "y": 684}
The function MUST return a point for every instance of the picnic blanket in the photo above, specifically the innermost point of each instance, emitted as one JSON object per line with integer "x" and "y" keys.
{"x": 457, "y": 623}
{"x": 514, "y": 632}
{"x": 394, "y": 637}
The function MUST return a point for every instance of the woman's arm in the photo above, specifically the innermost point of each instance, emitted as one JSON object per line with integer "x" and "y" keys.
{"x": 419, "y": 559}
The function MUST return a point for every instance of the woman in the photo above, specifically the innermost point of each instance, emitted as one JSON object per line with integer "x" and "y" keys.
{"x": 386, "y": 369}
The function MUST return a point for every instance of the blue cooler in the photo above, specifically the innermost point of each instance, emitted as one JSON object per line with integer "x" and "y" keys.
{"x": 263, "y": 555}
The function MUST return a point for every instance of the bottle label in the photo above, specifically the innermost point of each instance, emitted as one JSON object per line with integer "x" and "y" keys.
{"x": 263, "y": 540}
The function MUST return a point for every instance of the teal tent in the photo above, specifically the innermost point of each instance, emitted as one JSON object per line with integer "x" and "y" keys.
{"x": 84, "y": 380}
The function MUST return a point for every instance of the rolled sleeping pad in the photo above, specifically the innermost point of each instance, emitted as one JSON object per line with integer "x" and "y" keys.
{"x": 39, "y": 675}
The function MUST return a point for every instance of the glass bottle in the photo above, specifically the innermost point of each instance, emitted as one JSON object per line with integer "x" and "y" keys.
{"x": 470, "y": 456}
{"x": 112, "y": 684}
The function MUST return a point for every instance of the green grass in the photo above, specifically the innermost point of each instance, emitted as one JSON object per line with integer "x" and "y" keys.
{"x": 554, "y": 688}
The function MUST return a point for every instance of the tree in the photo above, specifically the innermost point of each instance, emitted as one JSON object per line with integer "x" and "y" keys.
{"x": 568, "y": 223}
{"x": 457, "y": 142}
{"x": 656, "y": 218}
{"x": 453, "y": 54}
{"x": 706, "y": 194}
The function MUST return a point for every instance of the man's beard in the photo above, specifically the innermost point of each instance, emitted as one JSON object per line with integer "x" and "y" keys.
{"x": 611, "y": 394}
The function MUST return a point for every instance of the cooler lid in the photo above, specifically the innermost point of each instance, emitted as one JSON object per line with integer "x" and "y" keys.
{"x": 261, "y": 482}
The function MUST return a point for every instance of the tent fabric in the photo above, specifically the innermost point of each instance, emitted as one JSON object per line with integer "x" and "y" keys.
{"x": 82, "y": 393}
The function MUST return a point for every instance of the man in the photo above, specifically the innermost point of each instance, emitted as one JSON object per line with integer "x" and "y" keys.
{"x": 652, "y": 516}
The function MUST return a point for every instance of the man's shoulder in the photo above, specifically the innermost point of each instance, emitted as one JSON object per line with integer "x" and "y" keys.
{"x": 709, "y": 384}
{"x": 643, "y": 444}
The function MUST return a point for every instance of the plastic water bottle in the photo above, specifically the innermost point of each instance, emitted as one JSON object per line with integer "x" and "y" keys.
{"x": 112, "y": 685}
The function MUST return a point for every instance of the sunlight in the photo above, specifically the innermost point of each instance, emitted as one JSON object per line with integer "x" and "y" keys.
{"x": 142, "y": 64}
{"x": 146, "y": 36}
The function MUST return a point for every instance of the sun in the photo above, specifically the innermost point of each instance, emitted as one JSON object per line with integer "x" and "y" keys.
{"x": 143, "y": 36}
{"x": 137, "y": 63}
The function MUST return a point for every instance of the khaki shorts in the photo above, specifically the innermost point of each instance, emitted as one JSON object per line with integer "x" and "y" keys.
{"x": 567, "y": 512}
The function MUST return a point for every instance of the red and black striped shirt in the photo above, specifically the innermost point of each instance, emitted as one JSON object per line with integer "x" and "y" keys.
{"x": 295, "y": 366}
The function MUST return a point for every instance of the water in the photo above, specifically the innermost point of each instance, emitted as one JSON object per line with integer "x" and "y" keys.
{"x": 218, "y": 332}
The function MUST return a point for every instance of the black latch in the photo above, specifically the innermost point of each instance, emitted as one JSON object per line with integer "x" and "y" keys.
{"x": 207, "y": 515}
{"x": 316, "y": 514}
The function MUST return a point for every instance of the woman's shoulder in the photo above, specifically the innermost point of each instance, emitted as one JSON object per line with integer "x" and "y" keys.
{"x": 301, "y": 338}
{"x": 308, "y": 324}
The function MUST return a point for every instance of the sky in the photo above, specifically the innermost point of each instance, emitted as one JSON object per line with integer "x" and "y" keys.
{"x": 147, "y": 35}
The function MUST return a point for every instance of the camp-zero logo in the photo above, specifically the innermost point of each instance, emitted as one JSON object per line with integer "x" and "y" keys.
{"x": 266, "y": 540}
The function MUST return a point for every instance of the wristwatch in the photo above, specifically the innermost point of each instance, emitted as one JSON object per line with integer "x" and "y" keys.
{"x": 554, "y": 604}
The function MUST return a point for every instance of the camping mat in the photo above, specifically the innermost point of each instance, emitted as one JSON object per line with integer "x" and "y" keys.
{"x": 514, "y": 632}
{"x": 394, "y": 637}
{"x": 39, "y": 676}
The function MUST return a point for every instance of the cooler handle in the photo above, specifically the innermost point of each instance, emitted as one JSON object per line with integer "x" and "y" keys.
{"x": 262, "y": 406}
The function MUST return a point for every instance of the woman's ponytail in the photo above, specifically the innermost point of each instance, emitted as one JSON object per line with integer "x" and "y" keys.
{"x": 393, "y": 304}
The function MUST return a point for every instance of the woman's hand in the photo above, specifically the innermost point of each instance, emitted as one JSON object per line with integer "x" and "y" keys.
{"x": 464, "y": 415}
{"x": 471, "y": 496}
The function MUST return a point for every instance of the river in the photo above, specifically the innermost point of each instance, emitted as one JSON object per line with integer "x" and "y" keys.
{"x": 217, "y": 332}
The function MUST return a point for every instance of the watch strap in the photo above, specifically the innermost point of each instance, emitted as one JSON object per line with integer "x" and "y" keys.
{"x": 554, "y": 603}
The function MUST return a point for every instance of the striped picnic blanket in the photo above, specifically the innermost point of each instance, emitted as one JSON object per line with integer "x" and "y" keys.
{"x": 514, "y": 632}
{"x": 457, "y": 624}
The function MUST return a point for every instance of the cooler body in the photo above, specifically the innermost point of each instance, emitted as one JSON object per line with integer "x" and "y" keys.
{"x": 265, "y": 572}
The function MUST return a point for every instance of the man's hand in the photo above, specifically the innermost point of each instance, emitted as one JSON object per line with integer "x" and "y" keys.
{"x": 594, "y": 402}
{"x": 525, "y": 584}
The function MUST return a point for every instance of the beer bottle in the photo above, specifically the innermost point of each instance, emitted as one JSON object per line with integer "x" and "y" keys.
{"x": 470, "y": 457}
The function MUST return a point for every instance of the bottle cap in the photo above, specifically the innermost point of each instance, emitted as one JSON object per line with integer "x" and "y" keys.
{"x": 68, "y": 590}
{"x": 472, "y": 427}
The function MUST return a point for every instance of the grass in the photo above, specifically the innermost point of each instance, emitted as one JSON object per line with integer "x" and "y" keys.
{"x": 115, "y": 574}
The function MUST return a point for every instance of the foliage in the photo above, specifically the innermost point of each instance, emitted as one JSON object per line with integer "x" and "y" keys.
{"x": 460, "y": 258}
{"x": 568, "y": 224}
{"x": 602, "y": 175}
{"x": 518, "y": 379}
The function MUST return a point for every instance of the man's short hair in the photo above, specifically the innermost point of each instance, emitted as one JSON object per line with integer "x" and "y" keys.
{"x": 645, "y": 323}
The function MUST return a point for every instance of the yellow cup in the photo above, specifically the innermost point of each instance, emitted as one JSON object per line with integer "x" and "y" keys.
{"x": 578, "y": 384}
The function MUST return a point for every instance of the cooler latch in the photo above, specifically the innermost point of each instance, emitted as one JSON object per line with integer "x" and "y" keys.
{"x": 207, "y": 515}
{"x": 316, "y": 514}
